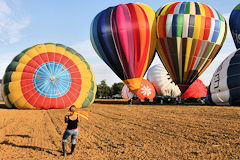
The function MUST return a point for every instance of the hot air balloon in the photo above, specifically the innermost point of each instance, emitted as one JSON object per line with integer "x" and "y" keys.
{"x": 48, "y": 76}
{"x": 235, "y": 25}
{"x": 126, "y": 94}
{"x": 224, "y": 88}
{"x": 162, "y": 81}
{"x": 196, "y": 90}
{"x": 124, "y": 37}
{"x": 190, "y": 34}
{"x": 146, "y": 90}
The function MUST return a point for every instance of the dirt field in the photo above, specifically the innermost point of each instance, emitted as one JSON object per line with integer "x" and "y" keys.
{"x": 118, "y": 131}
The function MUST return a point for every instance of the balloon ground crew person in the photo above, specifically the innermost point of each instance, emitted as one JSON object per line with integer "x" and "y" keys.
{"x": 71, "y": 130}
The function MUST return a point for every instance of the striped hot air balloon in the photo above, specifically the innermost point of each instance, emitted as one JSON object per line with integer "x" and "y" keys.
{"x": 190, "y": 34}
{"x": 124, "y": 37}
{"x": 48, "y": 76}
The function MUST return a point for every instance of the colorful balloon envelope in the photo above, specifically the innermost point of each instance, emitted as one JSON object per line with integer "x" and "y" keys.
{"x": 224, "y": 88}
{"x": 146, "y": 90}
{"x": 48, "y": 76}
{"x": 196, "y": 90}
{"x": 126, "y": 94}
{"x": 190, "y": 34}
{"x": 162, "y": 81}
{"x": 235, "y": 25}
{"x": 124, "y": 37}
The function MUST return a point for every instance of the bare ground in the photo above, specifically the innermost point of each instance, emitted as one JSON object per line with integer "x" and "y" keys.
{"x": 118, "y": 131}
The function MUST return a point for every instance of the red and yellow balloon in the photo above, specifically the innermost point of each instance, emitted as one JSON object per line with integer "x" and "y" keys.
{"x": 48, "y": 76}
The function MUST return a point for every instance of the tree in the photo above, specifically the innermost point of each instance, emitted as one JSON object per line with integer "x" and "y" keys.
{"x": 103, "y": 90}
{"x": 117, "y": 88}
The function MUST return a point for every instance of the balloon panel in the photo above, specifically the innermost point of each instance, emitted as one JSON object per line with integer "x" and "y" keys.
{"x": 48, "y": 76}
{"x": 146, "y": 90}
{"x": 190, "y": 34}
{"x": 196, "y": 90}
{"x": 124, "y": 38}
{"x": 162, "y": 81}
{"x": 224, "y": 86}
{"x": 235, "y": 25}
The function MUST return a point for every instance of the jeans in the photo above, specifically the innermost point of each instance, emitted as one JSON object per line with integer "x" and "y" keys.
{"x": 72, "y": 133}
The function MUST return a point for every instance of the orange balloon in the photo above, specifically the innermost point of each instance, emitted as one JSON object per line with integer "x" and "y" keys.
{"x": 146, "y": 90}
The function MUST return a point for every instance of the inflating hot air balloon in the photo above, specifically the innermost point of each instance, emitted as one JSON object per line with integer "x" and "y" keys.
{"x": 235, "y": 25}
{"x": 126, "y": 94}
{"x": 146, "y": 90}
{"x": 190, "y": 34}
{"x": 224, "y": 88}
{"x": 162, "y": 81}
{"x": 124, "y": 37}
{"x": 48, "y": 76}
{"x": 196, "y": 90}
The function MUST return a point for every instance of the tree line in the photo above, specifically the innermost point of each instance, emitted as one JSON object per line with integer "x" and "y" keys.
{"x": 104, "y": 91}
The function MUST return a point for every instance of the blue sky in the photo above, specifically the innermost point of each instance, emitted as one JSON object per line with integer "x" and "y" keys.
{"x": 24, "y": 23}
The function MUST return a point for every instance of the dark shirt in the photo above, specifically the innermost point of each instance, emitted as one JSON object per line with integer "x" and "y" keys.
{"x": 72, "y": 124}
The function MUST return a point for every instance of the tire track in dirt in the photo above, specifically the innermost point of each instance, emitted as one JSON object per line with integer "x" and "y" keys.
{"x": 54, "y": 124}
{"x": 116, "y": 140}
{"x": 50, "y": 130}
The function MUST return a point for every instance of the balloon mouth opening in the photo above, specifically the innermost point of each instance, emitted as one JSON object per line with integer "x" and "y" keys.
{"x": 133, "y": 84}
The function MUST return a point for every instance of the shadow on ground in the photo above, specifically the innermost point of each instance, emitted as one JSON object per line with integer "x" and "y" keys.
{"x": 5, "y": 142}
{"x": 18, "y": 135}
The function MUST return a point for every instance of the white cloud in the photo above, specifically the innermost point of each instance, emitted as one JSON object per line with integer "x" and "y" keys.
{"x": 103, "y": 72}
{"x": 4, "y": 8}
{"x": 11, "y": 23}
{"x": 86, "y": 50}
